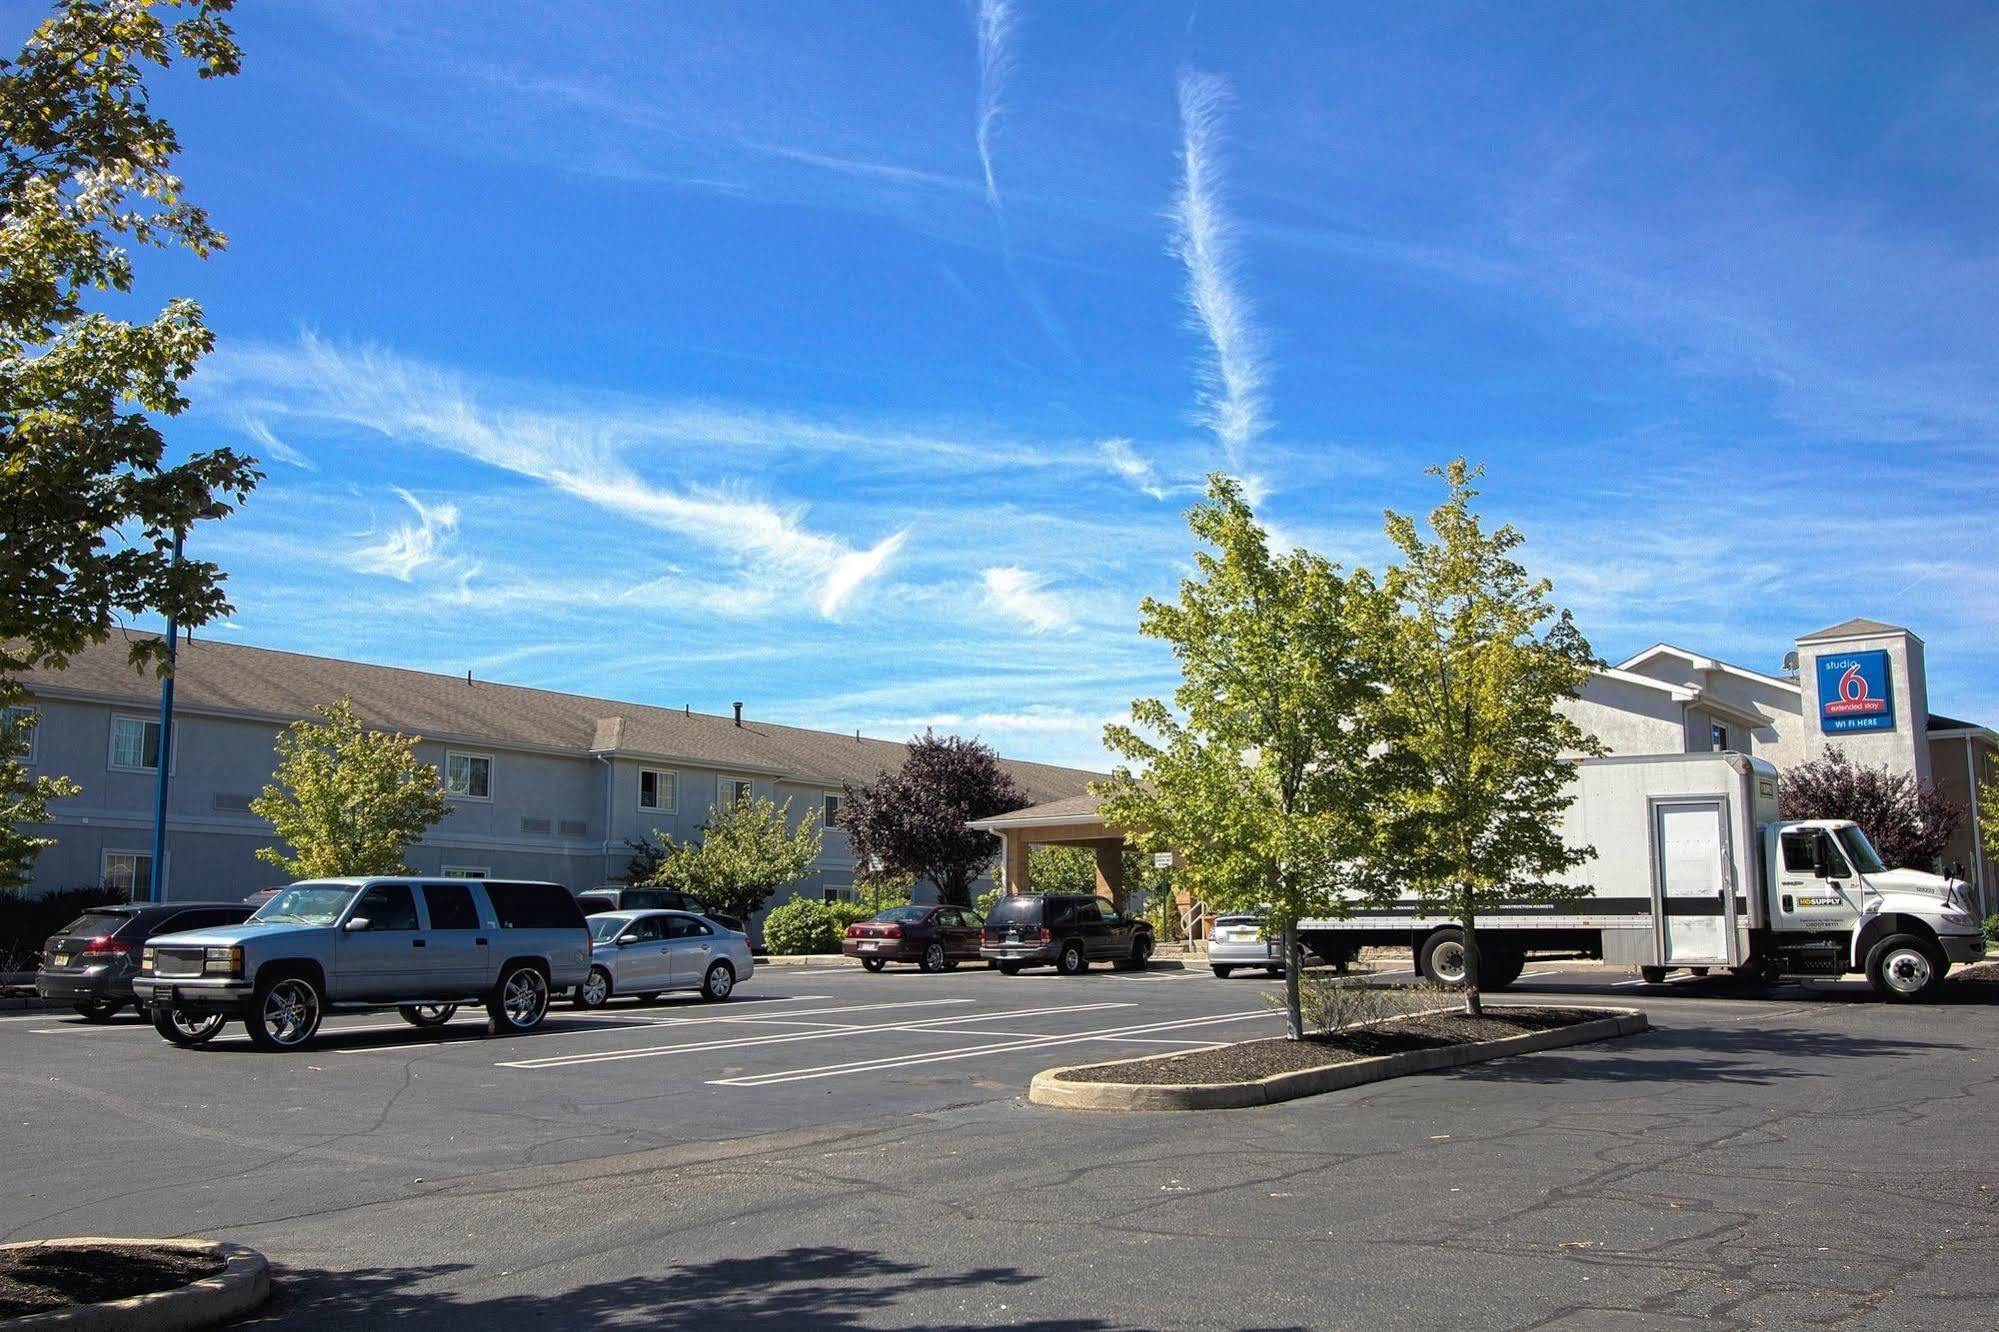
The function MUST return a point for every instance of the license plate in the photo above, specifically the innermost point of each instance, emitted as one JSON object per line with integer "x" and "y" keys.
{"x": 62, "y": 959}
{"x": 1013, "y": 936}
{"x": 869, "y": 947}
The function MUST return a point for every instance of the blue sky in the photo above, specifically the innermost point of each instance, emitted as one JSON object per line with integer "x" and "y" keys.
{"x": 859, "y": 361}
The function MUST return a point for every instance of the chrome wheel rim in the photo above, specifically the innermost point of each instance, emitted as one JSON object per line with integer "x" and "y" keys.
{"x": 1072, "y": 959}
{"x": 720, "y": 982}
{"x": 933, "y": 957}
{"x": 291, "y": 1011}
{"x": 1907, "y": 971}
{"x": 1449, "y": 961}
{"x": 525, "y": 998}
{"x": 196, "y": 1026}
{"x": 596, "y": 989}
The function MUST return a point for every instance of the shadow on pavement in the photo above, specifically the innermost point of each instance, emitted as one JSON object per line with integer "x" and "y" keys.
{"x": 1737, "y": 1053}
{"x": 819, "y": 1286}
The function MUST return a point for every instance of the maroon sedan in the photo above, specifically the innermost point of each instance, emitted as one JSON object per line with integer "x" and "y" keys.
{"x": 936, "y": 938}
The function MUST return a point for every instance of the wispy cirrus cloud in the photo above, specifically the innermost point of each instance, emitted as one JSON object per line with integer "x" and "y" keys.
{"x": 269, "y": 446}
{"x": 1233, "y": 374}
{"x": 1128, "y": 463}
{"x": 411, "y": 546}
{"x": 1020, "y": 595}
{"x": 577, "y": 453}
{"x": 996, "y": 20}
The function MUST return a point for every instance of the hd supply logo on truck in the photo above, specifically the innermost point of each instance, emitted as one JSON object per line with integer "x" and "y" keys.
{"x": 1854, "y": 694}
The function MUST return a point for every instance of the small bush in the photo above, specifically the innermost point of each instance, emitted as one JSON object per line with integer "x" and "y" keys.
{"x": 1332, "y": 1004}
{"x": 800, "y": 926}
{"x": 27, "y": 922}
{"x": 1992, "y": 928}
{"x": 843, "y": 914}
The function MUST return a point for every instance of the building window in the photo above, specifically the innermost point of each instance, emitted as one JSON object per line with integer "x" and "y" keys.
{"x": 135, "y": 744}
{"x": 1717, "y": 737}
{"x": 658, "y": 790}
{"x": 130, "y": 872}
{"x": 468, "y": 776}
{"x": 831, "y": 816}
{"x": 10, "y": 718}
{"x": 734, "y": 791}
{"x": 467, "y": 872}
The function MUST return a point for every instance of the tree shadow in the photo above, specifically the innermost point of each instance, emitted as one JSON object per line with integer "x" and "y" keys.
{"x": 1738, "y": 1054}
{"x": 816, "y": 1286}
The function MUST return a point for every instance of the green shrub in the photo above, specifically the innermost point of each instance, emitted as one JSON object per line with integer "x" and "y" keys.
{"x": 800, "y": 926}
{"x": 27, "y": 922}
{"x": 1992, "y": 928}
{"x": 843, "y": 914}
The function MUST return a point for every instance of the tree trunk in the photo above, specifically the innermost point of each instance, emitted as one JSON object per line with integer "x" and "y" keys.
{"x": 1473, "y": 1004}
{"x": 1294, "y": 1017}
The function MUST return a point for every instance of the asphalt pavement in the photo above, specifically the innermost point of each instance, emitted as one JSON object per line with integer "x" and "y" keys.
{"x": 833, "y": 1148}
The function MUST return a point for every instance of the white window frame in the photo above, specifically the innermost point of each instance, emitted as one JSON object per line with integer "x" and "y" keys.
{"x": 469, "y": 872}
{"x": 725, "y": 796}
{"x": 451, "y": 754}
{"x": 111, "y": 756}
{"x": 104, "y": 867}
{"x": 27, "y": 760}
{"x": 669, "y": 774}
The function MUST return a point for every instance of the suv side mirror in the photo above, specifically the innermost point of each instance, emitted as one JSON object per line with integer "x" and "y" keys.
{"x": 356, "y": 923}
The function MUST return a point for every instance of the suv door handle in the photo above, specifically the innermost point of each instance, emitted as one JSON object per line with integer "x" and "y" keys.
{"x": 416, "y": 943}
{"x": 480, "y": 942}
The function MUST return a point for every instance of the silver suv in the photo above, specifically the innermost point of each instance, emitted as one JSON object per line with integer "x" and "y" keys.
{"x": 415, "y": 945}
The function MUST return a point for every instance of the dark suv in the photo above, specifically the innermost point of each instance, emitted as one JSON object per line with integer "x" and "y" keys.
{"x": 618, "y": 897}
{"x": 92, "y": 960}
{"x": 1066, "y": 930}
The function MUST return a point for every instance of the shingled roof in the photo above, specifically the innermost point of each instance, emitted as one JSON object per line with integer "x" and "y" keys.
{"x": 1854, "y": 629}
{"x": 285, "y": 686}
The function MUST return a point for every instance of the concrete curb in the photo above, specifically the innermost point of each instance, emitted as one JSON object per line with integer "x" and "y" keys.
{"x": 1046, "y": 1089}
{"x": 12, "y": 1003}
{"x": 238, "y": 1288}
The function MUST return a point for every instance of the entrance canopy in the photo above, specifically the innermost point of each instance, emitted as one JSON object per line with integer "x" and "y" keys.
{"x": 1070, "y": 822}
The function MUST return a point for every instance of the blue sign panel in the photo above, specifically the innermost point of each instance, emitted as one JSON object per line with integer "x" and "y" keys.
{"x": 1854, "y": 693}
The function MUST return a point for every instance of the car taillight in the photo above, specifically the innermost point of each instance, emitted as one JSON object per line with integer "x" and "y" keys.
{"x": 892, "y": 932}
{"x": 853, "y": 931}
{"x": 1045, "y": 936}
{"x": 100, "y": 947}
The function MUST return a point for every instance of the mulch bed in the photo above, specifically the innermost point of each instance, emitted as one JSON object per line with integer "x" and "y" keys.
{"x": 40, "y": 1280}
{"x": 1985, "y": 972}
{"x": 1250, "y": 1060}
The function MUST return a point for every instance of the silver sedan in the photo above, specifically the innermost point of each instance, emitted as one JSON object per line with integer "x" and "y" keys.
{"x": 1241, "y": 941}
{"x": 646, "y": 953}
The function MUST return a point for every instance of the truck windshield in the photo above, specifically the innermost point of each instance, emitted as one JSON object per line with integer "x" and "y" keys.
{"x": 310, "y": 903}
{"x": 1860, "y": 851}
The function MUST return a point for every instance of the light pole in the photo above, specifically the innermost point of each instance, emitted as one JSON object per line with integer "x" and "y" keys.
{"x": 156, "y": 886}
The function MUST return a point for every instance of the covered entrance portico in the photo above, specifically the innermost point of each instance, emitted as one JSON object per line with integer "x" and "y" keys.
{"x": 1071, "y": 822}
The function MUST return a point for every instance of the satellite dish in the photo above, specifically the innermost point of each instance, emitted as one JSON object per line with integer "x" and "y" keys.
{"x": 1791, "y": 662}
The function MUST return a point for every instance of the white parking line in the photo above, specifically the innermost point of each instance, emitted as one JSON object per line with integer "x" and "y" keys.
{"x": 972, "y": 1052}
{"x": 782, "y": 1038}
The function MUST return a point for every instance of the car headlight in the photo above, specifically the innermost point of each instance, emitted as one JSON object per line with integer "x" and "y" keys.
{"x": 223, "y": 961}
{"x": 1955, "y": 917}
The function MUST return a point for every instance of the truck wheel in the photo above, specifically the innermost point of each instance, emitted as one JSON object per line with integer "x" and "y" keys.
{"x": 595, "y": 991}
{"x": 284, "y": 1012}
{"x": 1072, "y": 961}
{"x": 1141, "y": 953}
{"x": 426, "y": 1015}
{"x": 519, "y": 1002}
{"x": 1499, "y": 968}
{"x": 185, "y": 1028}
{"x": 1442, "y": 960}
{"x": 1652, "y": 975}
{"x": 1905, "y": 968}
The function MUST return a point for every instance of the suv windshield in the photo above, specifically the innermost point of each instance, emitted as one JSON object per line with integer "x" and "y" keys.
{"x": 311, "y": 903}
{"x": 1860, "y": 851}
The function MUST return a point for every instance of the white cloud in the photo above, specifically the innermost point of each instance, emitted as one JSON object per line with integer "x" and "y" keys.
{"x": 270, "y": 446}
{"x": 1129, "y": 463}
{"x": 577, "y": 452}
{"x": 1233, "y": 375}
{"x": 411, "y": 546}
{"x": 996, "y": 22}
{"x": 1020, "y": 595}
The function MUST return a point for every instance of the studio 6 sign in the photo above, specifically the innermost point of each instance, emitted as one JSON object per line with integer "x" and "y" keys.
{"x": 1854, "y": 693}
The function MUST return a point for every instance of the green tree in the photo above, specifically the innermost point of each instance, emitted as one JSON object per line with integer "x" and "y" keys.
{"x": 347, "y": 800}
{"x": 1054, "y": 868}
{"x": 1265, "y": 774}
{"x": 23, "y": 799}
{"x": 913, "y": 820}
{"x": 748, "y": 850}
{"x": 87, "y": 532}
{"x": 1481, "y": 660}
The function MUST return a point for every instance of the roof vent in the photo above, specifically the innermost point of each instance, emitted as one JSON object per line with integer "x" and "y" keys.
{"x": 739, "y": 713}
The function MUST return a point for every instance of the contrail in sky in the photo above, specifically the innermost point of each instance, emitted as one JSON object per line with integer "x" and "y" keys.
{"x": 996, "y": 19}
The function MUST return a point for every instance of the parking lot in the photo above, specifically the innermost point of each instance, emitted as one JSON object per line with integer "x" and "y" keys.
{"x": 840, "y": 1148}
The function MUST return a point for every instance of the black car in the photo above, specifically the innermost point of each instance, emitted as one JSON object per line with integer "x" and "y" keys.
{"x": 1066, "y": 930}
{"x": 618, "y": 897}
{"x": 92, "y": 961}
